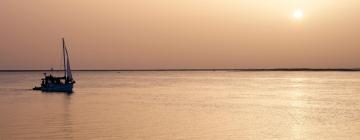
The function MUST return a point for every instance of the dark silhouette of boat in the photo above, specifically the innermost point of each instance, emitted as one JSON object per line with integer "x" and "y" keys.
{"x": 65, "y": 83}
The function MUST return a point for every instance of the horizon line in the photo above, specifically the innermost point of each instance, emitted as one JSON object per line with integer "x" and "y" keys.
{"x": 234, "y": 69}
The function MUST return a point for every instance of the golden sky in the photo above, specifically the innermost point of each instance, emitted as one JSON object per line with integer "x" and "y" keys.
{"x": 155, "y": 34}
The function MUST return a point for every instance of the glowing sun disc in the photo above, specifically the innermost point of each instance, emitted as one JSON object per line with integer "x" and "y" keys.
{"x": 298, "y": 14}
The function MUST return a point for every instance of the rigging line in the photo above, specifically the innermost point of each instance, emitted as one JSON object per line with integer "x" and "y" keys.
{"x": 63, "y": 46}
{"x": 61, "y": 65}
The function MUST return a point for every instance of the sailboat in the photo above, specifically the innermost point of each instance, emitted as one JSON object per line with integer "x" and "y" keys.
{"x": 66, "y": 83}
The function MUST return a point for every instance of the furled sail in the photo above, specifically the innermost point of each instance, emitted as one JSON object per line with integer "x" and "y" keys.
{"x": 68, "y": 69}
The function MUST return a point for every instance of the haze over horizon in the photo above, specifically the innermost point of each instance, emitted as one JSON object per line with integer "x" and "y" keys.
{"x": 180, "y": 34}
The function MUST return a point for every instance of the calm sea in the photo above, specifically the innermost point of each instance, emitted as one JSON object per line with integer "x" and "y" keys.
{"x": 214, "y": 105}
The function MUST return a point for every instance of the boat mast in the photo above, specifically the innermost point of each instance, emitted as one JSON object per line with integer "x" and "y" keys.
{"x": 63, "y": 43}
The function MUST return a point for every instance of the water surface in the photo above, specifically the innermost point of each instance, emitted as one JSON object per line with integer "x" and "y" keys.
{"x": 214, "y": 105}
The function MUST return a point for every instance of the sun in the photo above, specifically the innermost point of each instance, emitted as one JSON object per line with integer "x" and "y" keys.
{"x": 298, "y": 14}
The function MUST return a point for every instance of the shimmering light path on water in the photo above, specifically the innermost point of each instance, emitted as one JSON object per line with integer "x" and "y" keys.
{"x": 184, "y": 105}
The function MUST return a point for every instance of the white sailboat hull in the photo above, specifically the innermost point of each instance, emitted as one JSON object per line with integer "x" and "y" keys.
{"x": 58, "y": 88}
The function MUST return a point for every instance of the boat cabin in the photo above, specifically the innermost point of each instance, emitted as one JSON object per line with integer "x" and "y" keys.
{"x": 49, "y": 79}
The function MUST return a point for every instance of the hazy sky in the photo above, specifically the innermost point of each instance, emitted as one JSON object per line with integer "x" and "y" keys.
{"x": 148, "y": 34}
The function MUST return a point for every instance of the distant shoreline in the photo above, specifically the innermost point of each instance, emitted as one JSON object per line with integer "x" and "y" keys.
{"x": 272, "y": 69}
